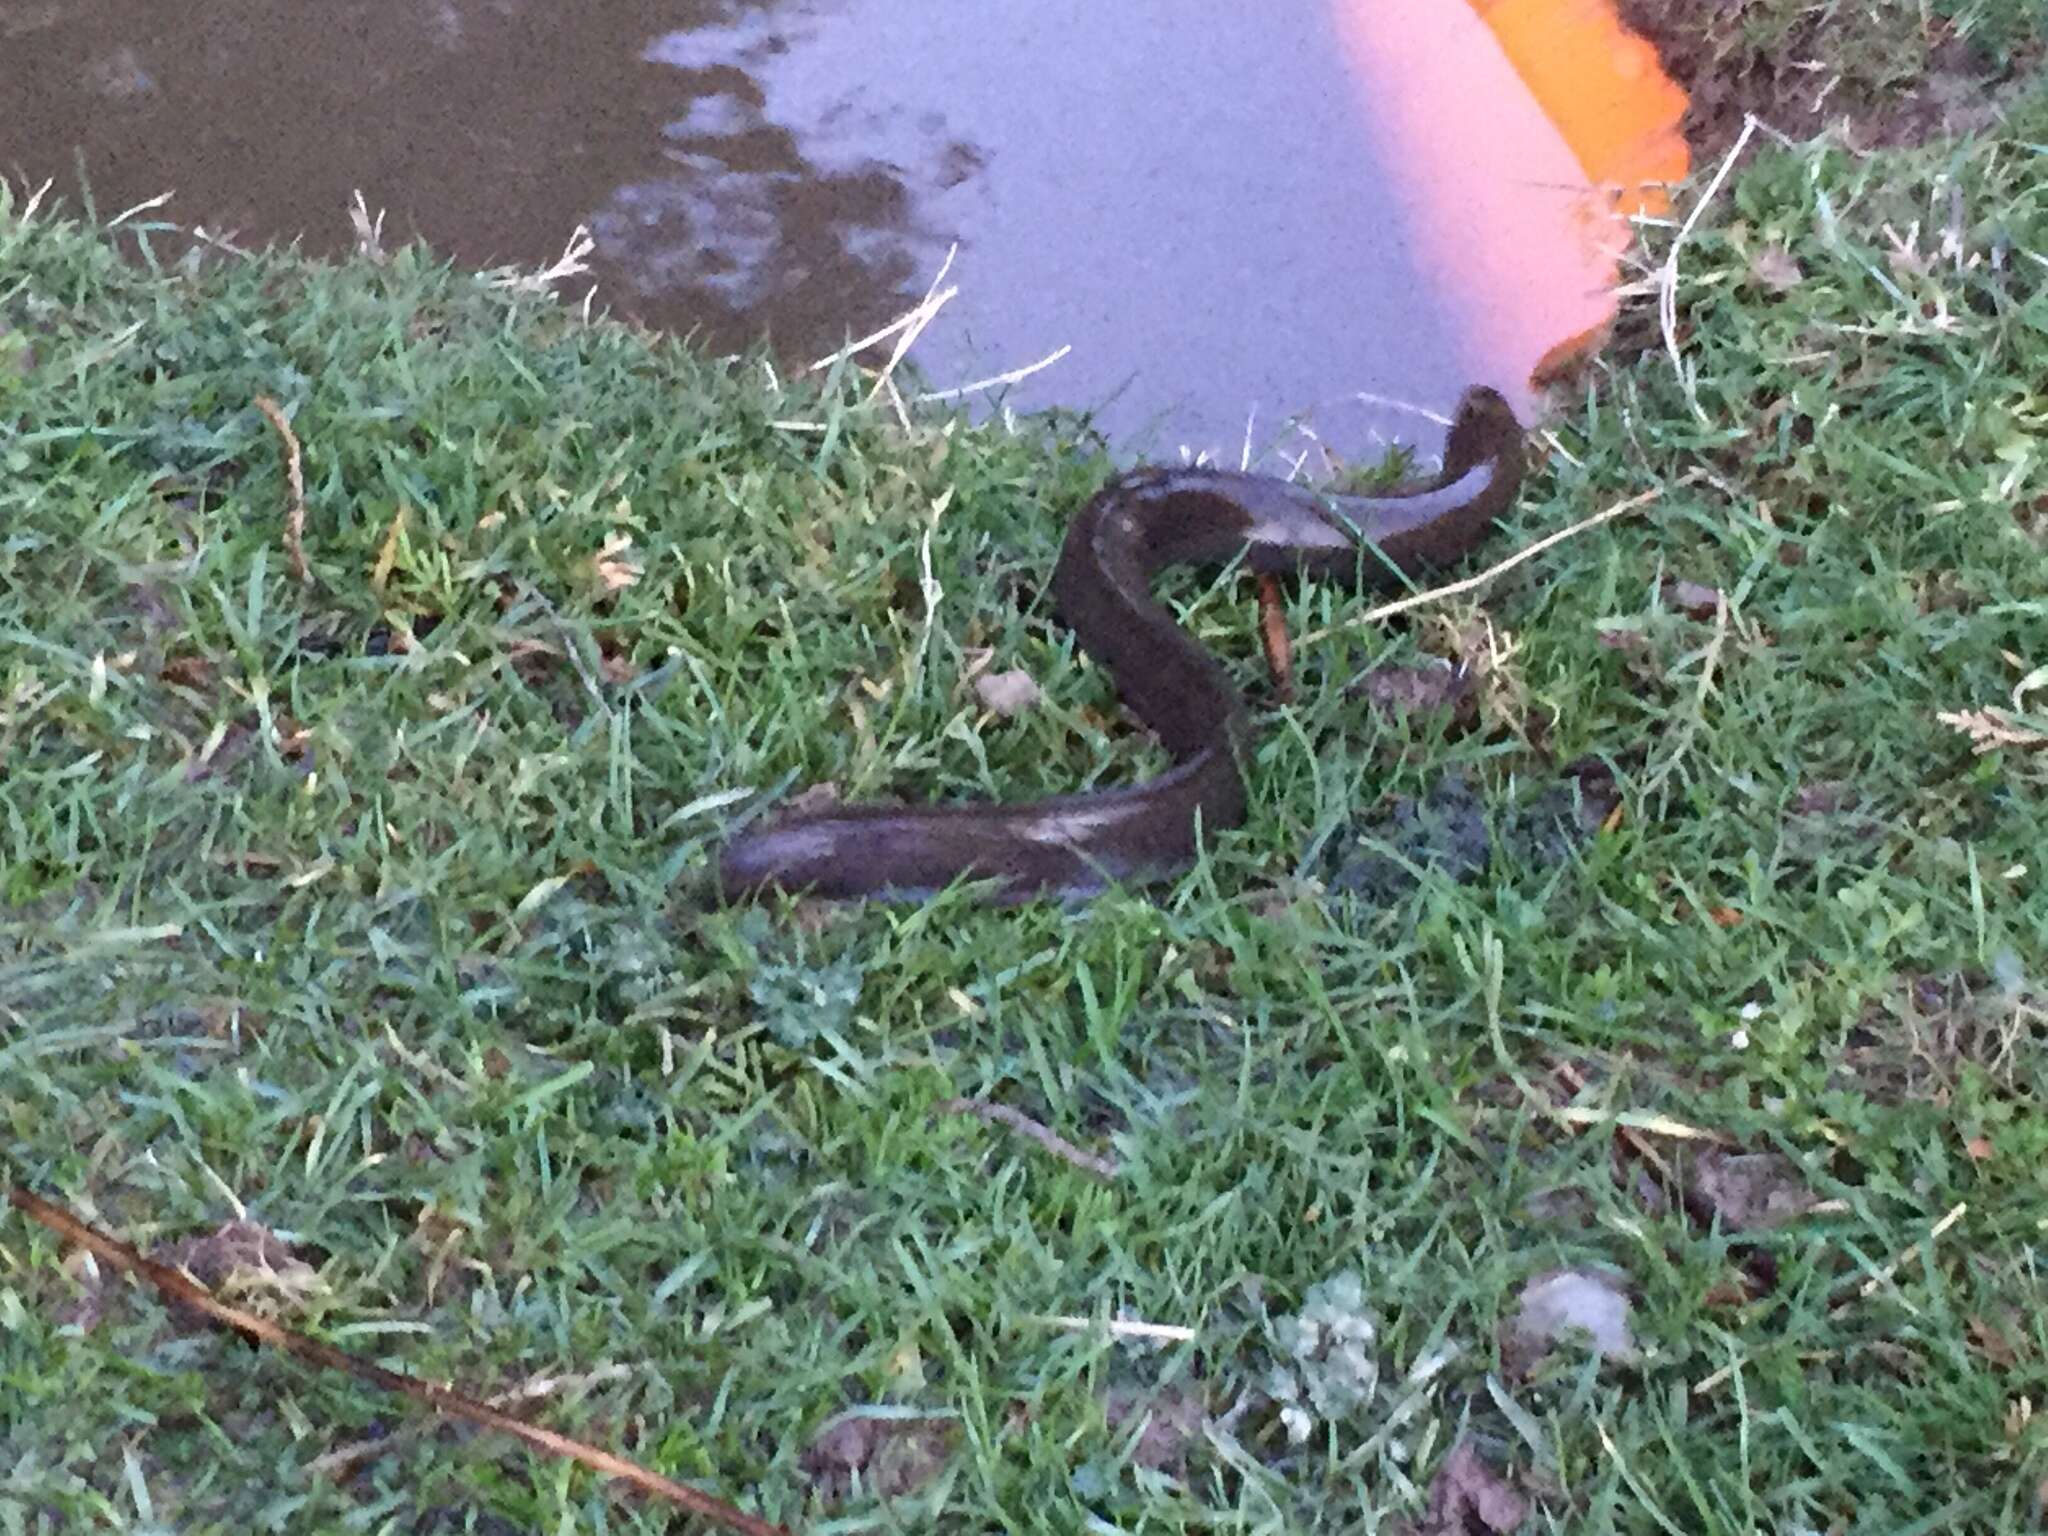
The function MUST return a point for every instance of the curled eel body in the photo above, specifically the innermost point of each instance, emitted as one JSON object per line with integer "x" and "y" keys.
{"x": 1137, "y": 525}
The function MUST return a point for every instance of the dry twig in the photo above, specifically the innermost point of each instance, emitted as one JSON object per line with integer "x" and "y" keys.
{"x": 188, "y": 1292}
{"x": 1001, "y": 1114}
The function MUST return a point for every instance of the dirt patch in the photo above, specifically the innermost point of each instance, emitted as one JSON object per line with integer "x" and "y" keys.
{"x": 1878, "y": 80}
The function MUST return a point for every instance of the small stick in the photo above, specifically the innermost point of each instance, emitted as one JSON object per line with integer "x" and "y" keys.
{"x": 182, "y": 1288}
{"x": 1122, "y": 1327}
{"x": 295, "y": 509}
{"x": 1273, "y": 631}
{"x": 1437, "y": 594}
{"x": 346, "y": 1456}
{"x": 1906, "y": 1256}
{"x": 1001, "y": 1114}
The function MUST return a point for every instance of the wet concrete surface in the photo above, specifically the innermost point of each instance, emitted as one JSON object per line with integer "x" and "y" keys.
{"x": 1228, "y": 213}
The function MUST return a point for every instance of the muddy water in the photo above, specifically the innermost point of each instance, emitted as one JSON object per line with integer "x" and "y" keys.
{"x": 1226, "y": 214}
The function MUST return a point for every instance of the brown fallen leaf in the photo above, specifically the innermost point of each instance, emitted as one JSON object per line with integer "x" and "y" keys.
{"x": 246, "y": 1264}
{"x": 1726, "y": 1293}
{"x": 1273, "y": 636}
{"x": 813, "y": 798}
{"x": 885, "y": 1456}
{"x": 1978, "y": 1148}
{"x": 187, "y": 671}
{"x": 289, "y": 737}
{"x": 1751, "y": 1191}
{"x": 211, "y": 1257}
{"x": 1617, "y": 637}
{"x": 1823, "y": 796}
{"x": 1415, "y": 690}
{"x": 1990, "y": 1341}
{"x": 613, "y": 565}
{"x": 1776, "y": 268}
{"x": 1469, "y": 1498}
{"x": 1007, "y": 694}
{"x": 1173, "y": 1421}
{"x": 1694, "y": 599}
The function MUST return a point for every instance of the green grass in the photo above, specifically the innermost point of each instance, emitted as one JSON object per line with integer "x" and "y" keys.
{"x": 391, "y": 931}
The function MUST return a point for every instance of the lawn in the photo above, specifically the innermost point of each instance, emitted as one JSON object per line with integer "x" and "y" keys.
{"x": 1686, "y": 972}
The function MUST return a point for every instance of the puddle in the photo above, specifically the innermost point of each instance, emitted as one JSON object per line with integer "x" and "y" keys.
{"x": 1227, "y": 215}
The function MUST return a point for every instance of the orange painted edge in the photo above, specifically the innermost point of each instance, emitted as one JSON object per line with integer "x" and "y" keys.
{"x": 1605, "y": 88}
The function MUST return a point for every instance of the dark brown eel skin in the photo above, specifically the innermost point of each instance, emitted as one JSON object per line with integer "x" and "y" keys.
{"x": 1136, "y": 526}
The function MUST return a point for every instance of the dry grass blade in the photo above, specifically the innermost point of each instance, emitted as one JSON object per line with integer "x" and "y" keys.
{"x": 1122, "y": 1327}
{"x": 1667, "y": 275}
{"x": 145, "y": 206}
{"x": 1878, "y": 1279}
{"x": 190, "y": 1293}
{"x": 294, "y": 473}
{"x": 369, "y": 232}
{"x": 35, "y": 200}
{"x": 570, "y": 263}
{"x": 1990, "y": 729}
{"x": 1549, "y": 541}
{"x": 914, "y": 320}
{"x": 996, "y": 381}
{"x": 1001, "y": 1114}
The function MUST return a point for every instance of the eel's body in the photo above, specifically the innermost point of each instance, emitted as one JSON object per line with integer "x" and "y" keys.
{"x": 1137, "y": 525}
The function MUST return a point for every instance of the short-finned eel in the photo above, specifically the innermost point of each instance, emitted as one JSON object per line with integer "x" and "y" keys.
{"x": 1140, "y": 523}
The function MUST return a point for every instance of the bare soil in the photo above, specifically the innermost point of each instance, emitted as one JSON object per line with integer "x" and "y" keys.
{"x": 1805, "y": 74}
